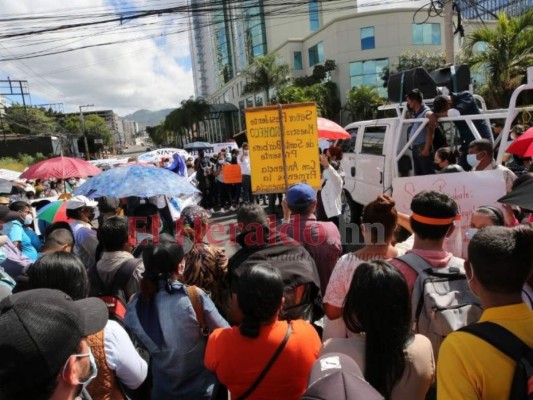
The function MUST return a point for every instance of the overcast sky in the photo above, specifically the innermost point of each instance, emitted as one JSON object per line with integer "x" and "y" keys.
{"x": 151, "y": 74}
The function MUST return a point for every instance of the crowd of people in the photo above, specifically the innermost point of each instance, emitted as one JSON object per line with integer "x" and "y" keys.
{"x": 120, "y": 302}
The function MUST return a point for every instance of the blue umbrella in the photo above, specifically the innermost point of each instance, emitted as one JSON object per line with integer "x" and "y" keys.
{"x": 136, "y": 180}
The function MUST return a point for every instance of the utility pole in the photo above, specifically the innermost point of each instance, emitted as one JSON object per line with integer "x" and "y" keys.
{"x": 448, "y": 31}
{"x": 86, "y": 145}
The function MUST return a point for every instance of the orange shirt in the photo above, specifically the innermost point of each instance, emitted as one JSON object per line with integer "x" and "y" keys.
{"x": 238, "y": 360}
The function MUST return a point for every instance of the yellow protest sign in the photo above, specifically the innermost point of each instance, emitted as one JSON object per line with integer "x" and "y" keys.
{"x": 283, "y": 143}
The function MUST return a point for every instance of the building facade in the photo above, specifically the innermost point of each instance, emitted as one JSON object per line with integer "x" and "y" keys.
{"x": 362, "y": 38}
{"x": 489, "y": 9}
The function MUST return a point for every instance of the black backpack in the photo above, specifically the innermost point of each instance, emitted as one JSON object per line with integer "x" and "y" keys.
{"x": 509, "y": 344}
{"x": 113, "y": 294}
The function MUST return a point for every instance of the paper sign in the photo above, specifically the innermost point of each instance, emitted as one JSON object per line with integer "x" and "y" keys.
{"x": 470, "y": 190}
{"x": 279, "y": 160}
{"x": 232, "y": 173}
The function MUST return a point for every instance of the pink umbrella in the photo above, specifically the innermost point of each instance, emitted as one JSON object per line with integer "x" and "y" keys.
{"x": 61, "y": 168}
{"x": 330, "y": 130}
{"x": 522, "y": 145}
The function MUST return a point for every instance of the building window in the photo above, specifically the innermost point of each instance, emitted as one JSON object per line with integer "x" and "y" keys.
{"x": 368, "y": 73}
{"x": 426, "y": 34}
{"x": 249, "y": 102}
{"x": 316, "y": 54}
{"x": 314, "y": 15}
{"x": 368, "y": 40}
{"x": 258, "y": 100}
{"x": 297, "y": 59}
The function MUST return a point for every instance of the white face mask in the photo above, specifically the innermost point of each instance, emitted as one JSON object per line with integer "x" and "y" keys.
{"x": 28, "y": 220}
{"x": 245, "y": 152}
{"x": 469, "y": 234}
{"x": 453, "y": 112}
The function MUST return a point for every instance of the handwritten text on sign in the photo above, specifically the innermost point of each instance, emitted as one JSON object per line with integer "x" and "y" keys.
{"x": 470, "y": 190}
{"x": 266, "y": 150}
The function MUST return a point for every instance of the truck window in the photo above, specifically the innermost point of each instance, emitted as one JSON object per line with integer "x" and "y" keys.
{"x": 373, "y": 140}
{"x": 348, "y": 145}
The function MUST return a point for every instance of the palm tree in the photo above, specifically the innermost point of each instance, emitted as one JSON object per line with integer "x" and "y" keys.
{"x": 508, "y": 53}
{"x": 362, "y": 102}
{"x": 265, "y": 73}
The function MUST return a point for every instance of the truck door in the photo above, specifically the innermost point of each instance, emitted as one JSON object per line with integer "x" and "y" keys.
{"x": 369, "y": 164}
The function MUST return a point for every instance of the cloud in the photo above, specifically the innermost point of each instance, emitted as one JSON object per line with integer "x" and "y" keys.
{"x": 125, "y": 77}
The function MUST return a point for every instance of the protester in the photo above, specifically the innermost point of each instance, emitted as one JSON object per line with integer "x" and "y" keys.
{"x": 422, "y": 146}
{"x": 499, "y": 263}
{"x": 43, "y": 341}
{"x": 108, "y": 207}
{"x": 15, "y": 229}
{"x": 58, "y": 240}
{"x": 7, "y": 283}
{"x": 465, "y": 104}
{"x": 223, "y": 190}
{"x": 321, "y": 239}
{"x": 164, "y": 319}
{"x": 337, "y": 376}
{"x": 261, "y": 243}
{"x": 190, "y": 166}
{"x": 378, "y": 222}
{"x": 147, "y": 223}
{"x": 480, "y": 159}
{"x": 244, "y": 161}
{"x": 262, "y": 334}
{"x": 113, "y": 236}
{"x": 204, "y": 174}
{"x": 206, "y": 265}
{"x": 117, "y": 360}
{"x": 514, "y": 214}
{"x": 445, "y": 161}
{"x": 397, "y": 363}
{"x": 14, "y": 263}
{"x": 81, "y": 212}
{"x": 330, "y": 192}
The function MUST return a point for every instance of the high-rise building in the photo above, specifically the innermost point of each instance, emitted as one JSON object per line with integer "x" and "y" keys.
{"x": 363, "y": 38}
{"x": 489, "y": 9}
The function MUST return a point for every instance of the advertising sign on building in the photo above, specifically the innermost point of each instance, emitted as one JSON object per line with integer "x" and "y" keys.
{"x": 283, "y": 144}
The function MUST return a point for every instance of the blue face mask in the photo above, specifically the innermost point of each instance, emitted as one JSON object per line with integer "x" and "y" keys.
{"x": 3, "y": 255}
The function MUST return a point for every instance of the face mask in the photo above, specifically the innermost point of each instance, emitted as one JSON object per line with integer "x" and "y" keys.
{"x": 93, "y": 371}
{"x": 72, "y": 181}
{"x": 469, "y": 234}
{"x": 3, "y": 255}
{"x": 471, "y": 159}
{"x": 28, "y": 220}
{"x": 245, "y": 152}
{"x": 221, "y": 162}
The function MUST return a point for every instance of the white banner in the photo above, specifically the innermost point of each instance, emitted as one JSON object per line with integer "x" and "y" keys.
{"x": 469, "y": 189}
{"x": 9, "y": 174}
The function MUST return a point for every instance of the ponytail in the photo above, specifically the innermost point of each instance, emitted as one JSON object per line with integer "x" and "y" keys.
{"x": 250, "y": 327}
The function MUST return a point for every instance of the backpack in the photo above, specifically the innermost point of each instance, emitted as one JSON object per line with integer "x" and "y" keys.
{"x": 6, "y": 280}
{"x": 442, "y": 301}
{"x": 509, "y": 344}
{"x": 113, "y": 294}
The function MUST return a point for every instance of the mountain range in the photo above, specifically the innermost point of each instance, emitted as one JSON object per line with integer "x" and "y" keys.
{"x": 149, "y": 118}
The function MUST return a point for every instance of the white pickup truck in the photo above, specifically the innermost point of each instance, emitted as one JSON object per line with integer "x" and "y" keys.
{"x": 379, "y": 151}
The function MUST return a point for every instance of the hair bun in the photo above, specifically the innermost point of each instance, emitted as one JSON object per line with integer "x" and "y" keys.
{"x": 384, "y": 203}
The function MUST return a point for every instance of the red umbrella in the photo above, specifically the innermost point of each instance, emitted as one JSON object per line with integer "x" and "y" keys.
{"x": 523, "y": 145}
{"x": 330, "y": 130}
{"x": 61, "y": 168}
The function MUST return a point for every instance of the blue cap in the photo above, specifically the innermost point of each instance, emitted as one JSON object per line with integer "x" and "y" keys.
{"x": 300, "y": 195}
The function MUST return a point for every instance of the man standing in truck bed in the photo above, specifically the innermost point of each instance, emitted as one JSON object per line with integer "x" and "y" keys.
{"x": 422, "y": 145}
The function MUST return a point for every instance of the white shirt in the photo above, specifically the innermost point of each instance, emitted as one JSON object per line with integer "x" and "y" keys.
{"x": 86, "y": 242}
{"x": 507, "y": 174}
{"x": 244, "y": 162}
{"x": 331, "y": 192}
{"x": 122, "y": 357}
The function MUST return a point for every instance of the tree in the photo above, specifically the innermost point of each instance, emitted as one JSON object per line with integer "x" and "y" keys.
{"x": 507, "y": 54}
{"x": 158, "y": 135}
{"x": 362, "y": 103}
{"x": 96, "y": 128}
{"x": 185, "y": 120}
{"x": 29, "y": 121}
{"x": 266, "y": 72}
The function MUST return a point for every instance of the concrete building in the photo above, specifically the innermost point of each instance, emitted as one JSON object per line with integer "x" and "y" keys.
{"x": 362, "y": 37}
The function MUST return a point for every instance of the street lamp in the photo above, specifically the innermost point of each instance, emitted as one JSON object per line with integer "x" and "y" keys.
{"x": 86, "y": 145}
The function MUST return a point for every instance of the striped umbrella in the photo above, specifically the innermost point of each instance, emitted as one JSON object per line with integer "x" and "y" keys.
{"x": 54, "y": 212}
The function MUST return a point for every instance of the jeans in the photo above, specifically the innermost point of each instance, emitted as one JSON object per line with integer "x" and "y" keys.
{"x": 246, "y": 188}
{"x": 422, "y": 165}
